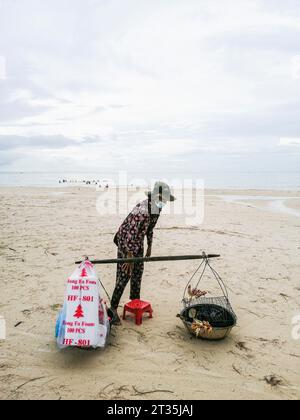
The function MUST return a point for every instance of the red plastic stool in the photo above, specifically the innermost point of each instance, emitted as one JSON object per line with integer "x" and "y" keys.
{"x": 138, "y": 308}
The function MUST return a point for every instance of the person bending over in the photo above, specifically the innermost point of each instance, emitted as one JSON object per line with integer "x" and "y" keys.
{"x": 130, "y": 238}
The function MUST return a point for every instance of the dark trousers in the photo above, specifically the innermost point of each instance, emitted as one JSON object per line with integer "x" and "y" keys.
{"x": 123, "y": 279}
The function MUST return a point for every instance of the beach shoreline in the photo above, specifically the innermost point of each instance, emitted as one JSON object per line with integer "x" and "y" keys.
{"x": 283, "y": 200}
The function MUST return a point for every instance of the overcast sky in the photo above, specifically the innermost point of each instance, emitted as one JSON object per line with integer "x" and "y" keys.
{"x": 149, "y": 85}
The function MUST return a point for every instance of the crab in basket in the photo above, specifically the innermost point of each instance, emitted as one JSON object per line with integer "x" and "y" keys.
{"x": 195, "y": 293}
{"x": 201, "y": 327}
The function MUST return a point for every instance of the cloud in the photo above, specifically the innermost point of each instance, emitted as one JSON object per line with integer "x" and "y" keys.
{"x": 289, "y": 141}
{"x": 11, "y": 142}
{"x": 135, "y": 81}
{"x": 2, "y": 68}
{"x": 169, "y": 147}
{"x": 19, "y": 106}
{"x": 45, "y": 142}
{"x": 295, "y": 67}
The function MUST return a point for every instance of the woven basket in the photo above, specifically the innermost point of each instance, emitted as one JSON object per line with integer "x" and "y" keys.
{"x": 215, "y": 310}
{"x": 217, "y": 333}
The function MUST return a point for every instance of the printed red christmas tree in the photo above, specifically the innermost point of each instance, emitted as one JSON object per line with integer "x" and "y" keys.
{"x": 88, "y": 264}
{"x": 84, "y": 273}
{"x": 79, "y": 312}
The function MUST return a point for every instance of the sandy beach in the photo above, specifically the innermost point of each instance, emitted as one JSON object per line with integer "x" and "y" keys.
{"x": 45, "y": 230}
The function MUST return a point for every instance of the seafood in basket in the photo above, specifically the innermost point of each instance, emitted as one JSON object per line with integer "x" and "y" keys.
{"x": 209, "y": 318}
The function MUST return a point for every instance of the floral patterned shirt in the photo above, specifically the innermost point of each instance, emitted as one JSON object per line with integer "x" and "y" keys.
{"x": 138, "y": 224}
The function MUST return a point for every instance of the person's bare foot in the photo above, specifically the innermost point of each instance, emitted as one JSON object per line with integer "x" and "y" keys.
{"x": 116, "y": 321}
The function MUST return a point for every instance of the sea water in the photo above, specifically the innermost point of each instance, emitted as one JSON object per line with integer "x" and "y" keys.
{"x": 216, "y": 180}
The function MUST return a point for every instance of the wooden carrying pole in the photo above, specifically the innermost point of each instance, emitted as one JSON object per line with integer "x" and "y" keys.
{"x": 153, "y": 259}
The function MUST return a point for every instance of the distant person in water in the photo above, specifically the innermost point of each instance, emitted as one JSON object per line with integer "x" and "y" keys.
{"x": 130, "y": 237}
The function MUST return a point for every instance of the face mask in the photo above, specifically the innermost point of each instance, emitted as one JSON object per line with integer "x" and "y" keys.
{"x": 160, "y": 204}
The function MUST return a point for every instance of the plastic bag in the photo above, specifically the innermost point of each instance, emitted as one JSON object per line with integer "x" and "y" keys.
{"x": 83, "y": 321}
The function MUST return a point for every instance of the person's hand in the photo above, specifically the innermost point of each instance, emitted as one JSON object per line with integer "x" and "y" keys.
{"x": 128, "y": 267}
{"x": 149, "y": 251}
